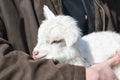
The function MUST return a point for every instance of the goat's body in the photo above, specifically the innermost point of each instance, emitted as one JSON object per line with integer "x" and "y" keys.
{"x": 102, "y": 45}
{"x": 59, "y": 38}
{"x": 97, "y": 47}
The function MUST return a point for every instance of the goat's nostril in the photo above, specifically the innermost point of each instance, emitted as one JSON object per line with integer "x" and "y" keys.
{"x": 35, "y": 53}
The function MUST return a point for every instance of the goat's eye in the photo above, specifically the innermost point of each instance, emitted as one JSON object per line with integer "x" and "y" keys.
{"x": 57, "y": 41}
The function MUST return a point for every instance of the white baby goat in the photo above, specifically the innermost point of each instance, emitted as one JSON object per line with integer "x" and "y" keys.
{"x": 59, "y": 38}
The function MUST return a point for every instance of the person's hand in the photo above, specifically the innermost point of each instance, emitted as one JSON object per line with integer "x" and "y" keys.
{"x": 103, "y": 71}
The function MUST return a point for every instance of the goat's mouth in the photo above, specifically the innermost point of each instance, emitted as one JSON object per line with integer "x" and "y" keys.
{"x": 42, "y": 57}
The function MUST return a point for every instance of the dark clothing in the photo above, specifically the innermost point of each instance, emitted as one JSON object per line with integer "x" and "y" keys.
{"x": 79, "y": 9}
{"x": 19, "y": 22}
{"x": 21, "y": 19}
{"x": 102, "y": 14}
{"x": 107, "y": 15}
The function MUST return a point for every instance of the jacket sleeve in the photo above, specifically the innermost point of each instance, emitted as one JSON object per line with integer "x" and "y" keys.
{"x": 17, "y": 65}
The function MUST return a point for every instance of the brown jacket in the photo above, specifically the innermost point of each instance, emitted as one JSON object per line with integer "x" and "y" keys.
{"x": 17, "y": 65}
{"x": 21, "y": 19}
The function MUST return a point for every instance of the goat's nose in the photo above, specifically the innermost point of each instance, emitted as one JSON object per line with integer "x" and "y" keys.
{"x": 35, "y": 54}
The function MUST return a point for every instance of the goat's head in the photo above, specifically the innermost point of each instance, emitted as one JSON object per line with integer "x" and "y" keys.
{"x": 56, "y": 35}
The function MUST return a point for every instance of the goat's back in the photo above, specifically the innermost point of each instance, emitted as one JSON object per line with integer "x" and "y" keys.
{"x": 102, "y": 45}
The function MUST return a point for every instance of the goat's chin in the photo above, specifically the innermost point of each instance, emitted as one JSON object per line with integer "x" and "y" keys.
{"x": 62, "y": 56}
{"x": 56, "y": 61}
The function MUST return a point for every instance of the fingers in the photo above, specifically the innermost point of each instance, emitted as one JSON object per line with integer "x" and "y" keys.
{"x": 100, "y": 71}
{"x": 114, "y": 60}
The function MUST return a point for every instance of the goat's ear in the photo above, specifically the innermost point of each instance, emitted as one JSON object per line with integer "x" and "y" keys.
{"x": 71, "y": 38}
{"x": 48, "y": 13}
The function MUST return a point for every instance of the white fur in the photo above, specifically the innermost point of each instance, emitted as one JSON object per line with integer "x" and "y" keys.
{"x": 74, "y": 49}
